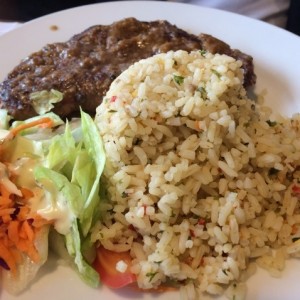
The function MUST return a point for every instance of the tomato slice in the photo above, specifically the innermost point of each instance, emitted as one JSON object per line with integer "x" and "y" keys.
{"x": 105, "y": 264}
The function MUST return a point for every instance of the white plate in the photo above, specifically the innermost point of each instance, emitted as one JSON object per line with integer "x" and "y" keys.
{"x": 277, "y": 65}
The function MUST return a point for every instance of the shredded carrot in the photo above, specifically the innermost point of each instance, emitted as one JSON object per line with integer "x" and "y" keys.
{"x": 4, "y": 202}
{"x": 28, "y": 230}
{"x": 43, "y": 123}
{"x": 40, "y": 222}
{"x": 6, "y": 211}
{"x": 17, "y": 255}
{"x": 27, "y": 194}
{"x": 18, "y": 227}
{"x": 23, "y": 212}
{"x": 4, "y": 192}
{"x": 8, "y": 257}
{"x": 6, "y": 218}
{"x": 13, "y": 229}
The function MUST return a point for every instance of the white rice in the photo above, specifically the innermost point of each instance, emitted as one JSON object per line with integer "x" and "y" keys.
{"x": 201, "y": 179}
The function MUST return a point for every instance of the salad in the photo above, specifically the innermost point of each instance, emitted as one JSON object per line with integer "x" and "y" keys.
{"x": 50, "y": 190}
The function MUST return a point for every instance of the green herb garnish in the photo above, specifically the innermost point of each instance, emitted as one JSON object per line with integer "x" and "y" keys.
{"x": 178, "y": 79}
{"x": 124, "y": 195}
{"x": 151, "y": 275}
{"x": 202, "y": 52}
{"x": 271, "y": 123}
{"x": 202, "y": 91}
{"x": 216, "y": 73}
{"x": 137, "y": 141}
{"x": 273, "y": 171}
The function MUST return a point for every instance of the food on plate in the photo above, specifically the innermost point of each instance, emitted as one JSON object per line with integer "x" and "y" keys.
{"x": 202, "y": 182}
{"x": 114, "y": 268}
{"x": 49, "y": 181}
{"x": 84, "y": 67}
{"x": 23, "y": 232}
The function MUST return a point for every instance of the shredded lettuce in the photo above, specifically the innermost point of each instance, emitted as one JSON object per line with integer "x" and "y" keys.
{"x": 73, "y": 200}
{"x": 73, "y": 244}
{"x": 68, "y": 163}
{"x": 95, "y": 149}
{"x": 75, "y": 165}
{"x": 4, "y": 119}
{"x": 55, "y": 118}
{"x": 27, "y": 144}
{"x": 42, "y": 101}
{"x": 62, "y": 150}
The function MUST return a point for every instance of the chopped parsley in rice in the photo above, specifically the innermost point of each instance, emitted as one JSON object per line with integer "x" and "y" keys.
{"x": 202, "y": 181}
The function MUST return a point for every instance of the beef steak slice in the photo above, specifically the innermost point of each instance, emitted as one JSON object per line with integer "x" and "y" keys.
{"x": 84, "y": 67}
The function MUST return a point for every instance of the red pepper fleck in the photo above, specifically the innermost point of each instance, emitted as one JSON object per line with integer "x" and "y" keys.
{"x": 202, "y": 261}
{"x": 296, "y": 189}
{"x": 201, "y": 221}
{"x": 189, "y": 260}
{"x": 294, "y": 229}
{"x": 131, "y": 227}
{"x": 113, "y": 99}
{"x": 192, "y": 233}
{"x": 145, "y": 208}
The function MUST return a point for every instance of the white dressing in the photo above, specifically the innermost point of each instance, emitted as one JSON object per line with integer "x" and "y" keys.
{"x": 20, "y": 147}
{"x": 53, "y": 205}
{"x": 24, "y": 168}
{"x": 4, "y": 179}
{"x": 47, "y": 201}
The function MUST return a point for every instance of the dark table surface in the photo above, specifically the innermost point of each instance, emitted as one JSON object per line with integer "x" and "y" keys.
{"x": 25, "y": 10}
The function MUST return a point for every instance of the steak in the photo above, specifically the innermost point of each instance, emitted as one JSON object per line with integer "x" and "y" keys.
{"x": 84, "y": 67}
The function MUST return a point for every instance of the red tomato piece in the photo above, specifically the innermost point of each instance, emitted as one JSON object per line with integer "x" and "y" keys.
{"x": 105, "y": 265}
